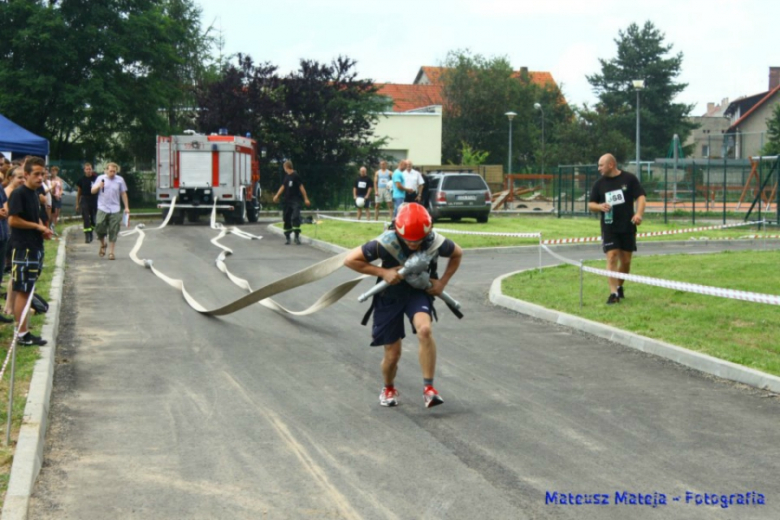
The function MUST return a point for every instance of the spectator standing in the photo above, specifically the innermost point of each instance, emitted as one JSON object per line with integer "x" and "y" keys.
{"x": 294, "y": 195}
{"x": 413, "y": 184}
{"x": 27, "y": 235}
{"x": 399, "y": 192}
{"x": 56, "y": 195}
{"x": 15, "y": 179}
{"x": 614, "y": 194}
{"x": 110, "y": 188}
{"x": 5, "y": 235}
{"x": 383, "y": 186}
{"x": 362, "y": 190}
{"x": 87, "y": 202}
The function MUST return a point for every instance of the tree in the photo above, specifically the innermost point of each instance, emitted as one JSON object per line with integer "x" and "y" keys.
{"x": 587, "y": 136}
{"x": 642, "y": 54}
{"x": 96, "y": 77}
{"x": 321, "y": 117}
{"x": 478, "y": 91}
{"x": 772, "y": 146}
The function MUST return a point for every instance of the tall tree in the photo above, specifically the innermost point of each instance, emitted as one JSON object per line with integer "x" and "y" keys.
{"x": 642, "y": 54}
{"x": 93, "y": 75}
{"x": 587, "y": 136}
{"x": 321, "y": 116}
{"x": 477, "y": 92}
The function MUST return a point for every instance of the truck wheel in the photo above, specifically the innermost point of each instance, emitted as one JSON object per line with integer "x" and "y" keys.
{"x": 238, "y": 216}
{"x": 254, "y": 207}
{"x": 178, "y": 217}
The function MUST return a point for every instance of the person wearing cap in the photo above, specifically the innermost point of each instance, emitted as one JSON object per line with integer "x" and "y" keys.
{"x": 362, "y": 190}
{"x": 411, "y": 231}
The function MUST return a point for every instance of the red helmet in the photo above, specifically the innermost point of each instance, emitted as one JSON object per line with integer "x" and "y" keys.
{"x": 413, "y": 222}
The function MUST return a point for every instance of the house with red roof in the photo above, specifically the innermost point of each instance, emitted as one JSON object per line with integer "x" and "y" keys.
{"x": 748, "y": 116}
{"x": 413, "y": 120}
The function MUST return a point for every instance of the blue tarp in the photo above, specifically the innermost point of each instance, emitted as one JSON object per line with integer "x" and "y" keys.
{"x": 14, "y": 138}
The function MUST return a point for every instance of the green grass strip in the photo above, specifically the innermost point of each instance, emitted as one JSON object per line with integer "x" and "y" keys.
{"x": 737, "y": 331}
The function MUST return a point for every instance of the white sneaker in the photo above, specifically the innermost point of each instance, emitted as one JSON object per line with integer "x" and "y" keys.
{"x": 388, "y": 397}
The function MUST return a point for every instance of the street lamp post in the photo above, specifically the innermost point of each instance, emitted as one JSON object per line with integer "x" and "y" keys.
{"x": 510, "y": 115}
{"x": 537, "y": 106}
{"x": 639, "y": 85}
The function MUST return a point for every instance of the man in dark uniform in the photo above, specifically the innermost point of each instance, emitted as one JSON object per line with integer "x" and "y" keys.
{"x": 294, "y": 194}
{"x": 614, "y": 195}
{"x": 362, "y": 190}
{"x": 411, "y": 231}
{"x": 87, "y": 202}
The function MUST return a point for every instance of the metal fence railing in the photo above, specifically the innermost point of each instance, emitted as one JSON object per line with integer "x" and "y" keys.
{"x": 727, "y": 188}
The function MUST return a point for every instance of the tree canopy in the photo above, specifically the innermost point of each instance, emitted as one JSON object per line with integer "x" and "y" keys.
{"x": 321, "y": 116}
{"x": 100, "y": 77}
{"x": 642, "y": 54}
{"x": 477, "y": 93}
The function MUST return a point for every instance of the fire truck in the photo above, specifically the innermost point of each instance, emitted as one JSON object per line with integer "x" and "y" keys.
{"x": 201, "y": 169}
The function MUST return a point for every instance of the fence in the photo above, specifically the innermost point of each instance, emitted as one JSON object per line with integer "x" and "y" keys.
{"x": 745, "y": 188}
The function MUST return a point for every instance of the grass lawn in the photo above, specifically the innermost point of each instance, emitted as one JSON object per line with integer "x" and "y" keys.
{"x": 25, "y": 360}
{"x": 737, "y": 331}
{"x": 350, "y": 234}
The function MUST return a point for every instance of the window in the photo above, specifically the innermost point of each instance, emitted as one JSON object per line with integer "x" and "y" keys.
{"x": 705, "y": 150}
{"x": 464, "y": 182}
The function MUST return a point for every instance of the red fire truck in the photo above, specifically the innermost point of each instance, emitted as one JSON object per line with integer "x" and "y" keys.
{"x": 200, "y": 169}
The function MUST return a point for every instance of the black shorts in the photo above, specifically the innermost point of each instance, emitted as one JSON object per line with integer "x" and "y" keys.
{"x": 389, "y": 316}
{"x": 56, "y": 204}
{"x": 621, "y": 241}
{"x": 26, "y": 266}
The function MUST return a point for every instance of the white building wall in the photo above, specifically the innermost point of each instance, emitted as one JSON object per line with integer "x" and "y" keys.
{"x": 412, "y": 135}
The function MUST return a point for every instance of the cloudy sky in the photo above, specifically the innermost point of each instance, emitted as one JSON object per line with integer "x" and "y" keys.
{"x": 726, "y": 43}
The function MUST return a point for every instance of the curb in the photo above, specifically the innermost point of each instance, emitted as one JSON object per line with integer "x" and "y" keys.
{"x": 28, "y": 456}
{"x": 701, "y": 362}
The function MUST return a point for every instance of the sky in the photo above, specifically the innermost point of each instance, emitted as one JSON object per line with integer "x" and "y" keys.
{"x": 726, "y": 44}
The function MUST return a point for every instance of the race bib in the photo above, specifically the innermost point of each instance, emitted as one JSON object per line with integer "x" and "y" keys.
{"x": 361, "y": 185}
{"x": 615, "y": 197}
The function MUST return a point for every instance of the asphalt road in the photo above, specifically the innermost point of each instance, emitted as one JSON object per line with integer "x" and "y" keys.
{"x": 158, "y": 412}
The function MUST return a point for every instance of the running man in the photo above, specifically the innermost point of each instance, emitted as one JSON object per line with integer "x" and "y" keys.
{"x": 411, "y": 231}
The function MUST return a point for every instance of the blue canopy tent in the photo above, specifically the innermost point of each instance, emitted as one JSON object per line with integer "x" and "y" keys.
{"x": 15, "y": 139}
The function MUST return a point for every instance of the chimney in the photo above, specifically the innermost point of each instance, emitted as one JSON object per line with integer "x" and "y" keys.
{"x": 710, "y": 108}
{"x": 524, "y": 73}
{"x": 774, "y": 77}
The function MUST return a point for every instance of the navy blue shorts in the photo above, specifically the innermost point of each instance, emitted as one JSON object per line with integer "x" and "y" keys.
{"x": 389, "y": 316}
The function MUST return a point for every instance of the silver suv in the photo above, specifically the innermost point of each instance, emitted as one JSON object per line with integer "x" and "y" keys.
{"x": 456, "y": 195}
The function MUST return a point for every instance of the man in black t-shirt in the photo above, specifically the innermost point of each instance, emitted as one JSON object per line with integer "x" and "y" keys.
{"x": 294, "y": 195}
{"x": 362, "y": 190}
{"x": 27, "y": 235}
{"x": 412, "y": 231}
{"x": 87, "y": 202}
{"x": 614, "y": 195}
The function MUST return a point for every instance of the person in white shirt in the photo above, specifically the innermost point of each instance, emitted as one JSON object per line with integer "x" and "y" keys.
{"x": 413, "y": 183}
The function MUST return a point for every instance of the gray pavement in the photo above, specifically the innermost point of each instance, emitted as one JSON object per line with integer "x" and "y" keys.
{"x": 158, "y": 412}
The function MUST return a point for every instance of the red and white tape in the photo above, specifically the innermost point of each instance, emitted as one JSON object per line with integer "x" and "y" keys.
{"x": 671, "y": 284}
{"x": 485, "y": 233}
{"x": 341, "y": 219}
{"x": 651, "y": 233}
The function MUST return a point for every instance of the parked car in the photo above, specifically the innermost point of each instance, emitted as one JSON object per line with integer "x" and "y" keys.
{"x": 68, "y": 199}
{"x": 456, "y": 195}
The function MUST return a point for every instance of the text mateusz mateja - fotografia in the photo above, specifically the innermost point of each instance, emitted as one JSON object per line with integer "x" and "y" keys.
{"x": 655, "y": 499}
